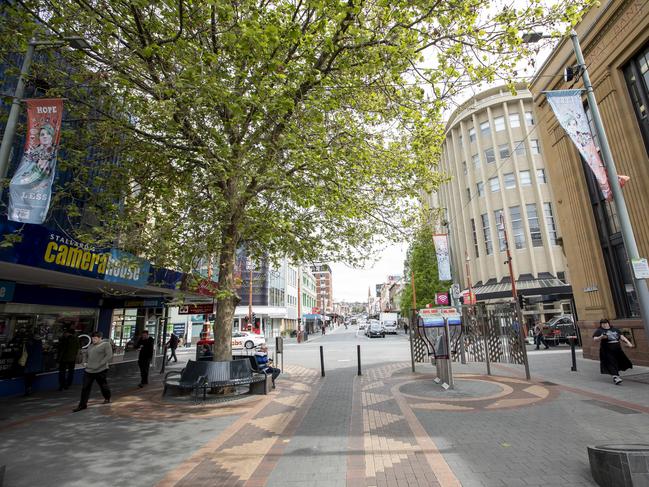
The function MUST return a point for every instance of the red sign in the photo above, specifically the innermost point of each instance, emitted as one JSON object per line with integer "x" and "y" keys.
{"x": 196, "y": 309}
{"x": 441, "y": 299}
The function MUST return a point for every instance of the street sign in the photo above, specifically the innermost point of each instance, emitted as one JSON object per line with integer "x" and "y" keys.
{"x": 455, "y": 291}
{"x": 441, "y": 299}
{"x": 196, "y": 309}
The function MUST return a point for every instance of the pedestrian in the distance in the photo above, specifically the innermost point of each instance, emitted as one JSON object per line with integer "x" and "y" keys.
{"x": 538, "y": 336}
{"x": 145, "y": 344}
{"x": 172, "y": 344}
{"x": 265, "y": 363}
{"x": 612, "y": 358}
{"x": 68, "y": 350}
{"x": 98, "y": 356}
{"x": 405, "y": 328}
{"x": 34, "y": 363}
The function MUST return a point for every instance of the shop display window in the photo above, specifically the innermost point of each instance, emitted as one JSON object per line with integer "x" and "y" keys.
{"x": 19, "y": 322}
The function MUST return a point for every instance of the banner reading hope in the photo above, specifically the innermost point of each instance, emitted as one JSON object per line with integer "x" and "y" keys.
{"x": 30, "y": 189}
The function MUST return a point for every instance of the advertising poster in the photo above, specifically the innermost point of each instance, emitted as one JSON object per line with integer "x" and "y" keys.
{"x": 569, "y": 110}
{"x": 443, "y": 260}
{"x": 30, "y": 189}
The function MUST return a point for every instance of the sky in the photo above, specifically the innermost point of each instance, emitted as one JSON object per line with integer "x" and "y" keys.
{"x": 351, "y": 284}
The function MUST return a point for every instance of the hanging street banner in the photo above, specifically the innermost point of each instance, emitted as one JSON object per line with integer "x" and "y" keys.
{"x": 569, "y": 110}
{"x": 443, "y": 260}
{"x": 30, "y": 189}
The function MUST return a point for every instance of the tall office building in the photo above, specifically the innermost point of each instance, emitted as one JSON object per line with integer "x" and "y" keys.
{"x": 498, "y": 175}
{"x": 324, "y": 287}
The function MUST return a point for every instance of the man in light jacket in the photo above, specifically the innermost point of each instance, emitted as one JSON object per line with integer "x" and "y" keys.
{"x": 98, "y": 357}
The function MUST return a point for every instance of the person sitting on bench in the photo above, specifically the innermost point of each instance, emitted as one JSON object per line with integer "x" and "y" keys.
{"x": 264, "y": 362}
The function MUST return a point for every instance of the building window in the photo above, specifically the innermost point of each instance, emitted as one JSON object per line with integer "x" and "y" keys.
{"x": 510, "y": 180}
{"x": 525, "y": 178}
{"x": 503, "y": 151}
{"x": 468, "y": 194}
{"x": 529, "y": 118}
{"x": 489, "y": 155}
{"x": 480, "y": 188}
{"x": 459, "y": 140}
{"x": 472, "y": 134}
{"x": 636, "y": 73}
{"x": 476, "y": 161}
{"x": 494, "y": 184}
{"x": 535, "y": 146}
{"x": 475, "y": 238}
{"x": 549, "y": 222}
{"x": 501, "y": 230}
{"x": 533, "y": 222}
{"x": 514, "y": 120}
{"x": 486, "y": 234}
{"x": 485, "y": 129}
{"x": 464, "y": 167}
{"x": 540, "y": 176}
{"x": 519, "y": 148}
{"x": 517, "y": 226}
{"x": 499, "y": 123}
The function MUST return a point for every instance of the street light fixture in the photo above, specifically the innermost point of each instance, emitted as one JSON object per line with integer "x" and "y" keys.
{"x": 75, "y": 42}
{"x": 628, "y": 236}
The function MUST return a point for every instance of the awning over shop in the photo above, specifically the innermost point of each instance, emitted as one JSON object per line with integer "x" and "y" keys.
{"x": 531, "y": 287}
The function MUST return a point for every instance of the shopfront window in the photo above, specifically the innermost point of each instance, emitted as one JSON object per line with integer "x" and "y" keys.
{"x": 19, "y": 322}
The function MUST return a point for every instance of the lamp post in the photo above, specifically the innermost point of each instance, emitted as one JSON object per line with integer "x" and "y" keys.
{"x": 12, "y": 120}
{"x": 628, "y": 236}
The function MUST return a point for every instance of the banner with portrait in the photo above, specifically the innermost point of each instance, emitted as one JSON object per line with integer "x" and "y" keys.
{"x": 443, "y": 259}
{"x": 30, "y": 189}
{"x": 569, "y": 110}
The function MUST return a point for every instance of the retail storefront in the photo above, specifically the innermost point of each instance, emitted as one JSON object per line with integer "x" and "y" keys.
{"x": 51, "y": 283}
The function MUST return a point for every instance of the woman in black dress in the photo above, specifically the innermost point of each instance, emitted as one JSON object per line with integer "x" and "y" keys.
{"x": 611, "y": 356}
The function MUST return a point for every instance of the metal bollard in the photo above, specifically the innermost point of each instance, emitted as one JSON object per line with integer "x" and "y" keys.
{"x": 572, "y": 341}
{"x": 358, "y": 353}
{"x": 322, "y": 372}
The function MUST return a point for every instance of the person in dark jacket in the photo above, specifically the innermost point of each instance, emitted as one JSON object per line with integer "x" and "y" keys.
{"x": 172, "y": 344}
{"x": 34, "y": 364}
{"x": 145, "y": 345}
{"x": 69, "y": 347}
{"x": 612, "y": 358}
{"x": 264, "y": 363}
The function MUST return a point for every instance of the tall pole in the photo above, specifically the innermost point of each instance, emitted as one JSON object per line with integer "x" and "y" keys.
{"x": 250, "y": 323}
{"x": 468, "y": 276}
{"x": 12, "y": 120}
{"x": 519, "y": 312}
{"x": 299, "y": 305}
{"x": 623, "y": 214}
{"x": 412, "y": 319}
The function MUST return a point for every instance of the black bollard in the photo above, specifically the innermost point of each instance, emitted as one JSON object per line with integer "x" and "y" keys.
{"x": 572, "y": 341}
{"x": 358, "y": 353}
{"x": 322, "y": 372}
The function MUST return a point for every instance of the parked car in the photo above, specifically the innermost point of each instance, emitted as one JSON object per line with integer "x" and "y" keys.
{"x": 361, "y": 325}
{"x": 558, "y": 329}
{"x": 375, "y": 330}
{"x": 240, "y": 339}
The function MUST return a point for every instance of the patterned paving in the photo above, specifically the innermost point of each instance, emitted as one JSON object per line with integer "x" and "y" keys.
{"x": 241, "y": 455}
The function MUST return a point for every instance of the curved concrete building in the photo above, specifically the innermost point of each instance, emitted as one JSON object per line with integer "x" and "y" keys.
{"x": 493, "y": 156}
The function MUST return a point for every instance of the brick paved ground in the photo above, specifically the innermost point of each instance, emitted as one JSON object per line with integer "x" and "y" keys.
{"x": 387, "y": 428}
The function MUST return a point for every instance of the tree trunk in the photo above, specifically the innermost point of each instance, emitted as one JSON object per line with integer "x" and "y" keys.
{"x": 226, "y": 302}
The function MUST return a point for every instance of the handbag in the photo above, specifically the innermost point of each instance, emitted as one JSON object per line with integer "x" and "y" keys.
{"x": 22, "y": 361}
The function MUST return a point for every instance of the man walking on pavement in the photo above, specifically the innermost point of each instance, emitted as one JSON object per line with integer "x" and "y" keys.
{"x": 98, "y": 356}
{"x": 145, "y": 344}
{"x": 172, "y": 344}
{"x": 69, "y": 347}
{"x": 538, "y": 336}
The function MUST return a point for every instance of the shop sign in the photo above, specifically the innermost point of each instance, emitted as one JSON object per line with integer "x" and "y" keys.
{"x": 179, "y": 329}
{"x": 196, "y": 309}
{"x": 7, "y": 290}
{"x": 40, "y": 247}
